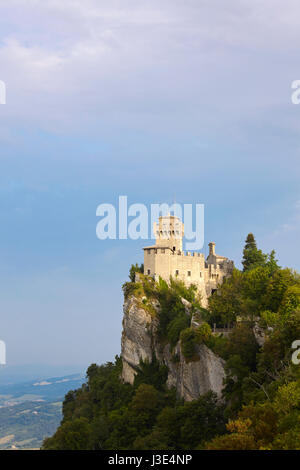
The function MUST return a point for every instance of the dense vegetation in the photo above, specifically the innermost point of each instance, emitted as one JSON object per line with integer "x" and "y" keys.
{"x": 106, "y": 414}
{"x": 261, "y": 403}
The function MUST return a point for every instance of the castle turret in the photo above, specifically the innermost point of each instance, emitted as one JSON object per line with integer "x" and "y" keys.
{"x": 169, "y": 232}
{"x": 212, "y": 248}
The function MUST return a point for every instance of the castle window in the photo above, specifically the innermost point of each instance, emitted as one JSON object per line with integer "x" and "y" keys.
{"x": 174, "y": 248}
{"x": 148, "y": 271}
{"x": 189, "y": 273}
{"x": 200, "y": 274}
{"x": 176, "y": 272}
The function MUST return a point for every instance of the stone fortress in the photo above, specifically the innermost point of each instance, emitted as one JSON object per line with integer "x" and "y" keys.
{"x": 166, "y": 258}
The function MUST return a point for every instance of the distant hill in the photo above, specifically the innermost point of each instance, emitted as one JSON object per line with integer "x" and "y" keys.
{"x": 24, "y": 426}
{"x": 31, "y": 411}
{"x": 12, "y": 374}
{"x": 51, "y": 389}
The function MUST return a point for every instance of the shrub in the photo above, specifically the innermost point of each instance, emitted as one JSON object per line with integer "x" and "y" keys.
{"x": 129, "y": 288}
{"x": 151, "y": 373}
{"x": 203, "y": 333}
{"x": 135, "y": 268}
{"x": 175, "y": 327}
{"x": 188, "y": 339}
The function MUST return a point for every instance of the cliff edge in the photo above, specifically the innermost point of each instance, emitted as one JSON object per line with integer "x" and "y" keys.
{"x": 141, "y": 342}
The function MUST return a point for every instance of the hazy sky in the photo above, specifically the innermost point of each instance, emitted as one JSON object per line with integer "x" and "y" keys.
{"x": 150, "y": 99}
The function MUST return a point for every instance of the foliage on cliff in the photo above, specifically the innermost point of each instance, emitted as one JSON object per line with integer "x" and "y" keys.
{"x": 261, "y": 408}
{"x": 172, "y": 314}
{"x": 273, "y": 424}
{"x": 106, "y": 414}
{"x": 262, "y": 387}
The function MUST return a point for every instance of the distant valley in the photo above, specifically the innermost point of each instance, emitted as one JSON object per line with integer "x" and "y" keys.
{"x": 31, "y": 411}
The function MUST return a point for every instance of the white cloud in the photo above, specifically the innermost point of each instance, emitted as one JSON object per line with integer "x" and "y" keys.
{"x": 139, "y": 58}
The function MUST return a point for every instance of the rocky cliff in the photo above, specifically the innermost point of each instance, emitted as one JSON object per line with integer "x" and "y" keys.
{"x": 139, "y": 341}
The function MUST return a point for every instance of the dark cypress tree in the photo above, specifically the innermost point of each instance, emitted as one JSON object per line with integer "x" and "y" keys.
{"x": 250, "y": 243}
{"x": 252, "y": 257}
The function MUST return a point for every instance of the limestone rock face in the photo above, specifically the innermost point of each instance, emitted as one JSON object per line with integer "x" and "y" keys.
{"x": 192, "y": 379}
{"x": 136, "y": 340}
{"x": 139, "y": 341}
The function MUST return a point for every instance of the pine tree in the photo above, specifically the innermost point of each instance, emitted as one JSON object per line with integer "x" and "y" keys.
{"x": 250, "y": 243}
{"x": 252, "y": 256}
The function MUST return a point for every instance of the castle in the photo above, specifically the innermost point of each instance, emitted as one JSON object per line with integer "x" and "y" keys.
{"x": 166, "y": 258}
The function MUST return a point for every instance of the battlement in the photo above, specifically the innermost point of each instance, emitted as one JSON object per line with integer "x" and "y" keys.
{"x": 168, "y": 251}
{"x": 166, "y": 258}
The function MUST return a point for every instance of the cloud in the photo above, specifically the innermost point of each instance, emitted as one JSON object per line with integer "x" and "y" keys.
{"x": 128, "y": 60}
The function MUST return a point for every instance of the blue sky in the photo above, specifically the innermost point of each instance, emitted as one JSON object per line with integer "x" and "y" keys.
{"x": 153, "y": 100}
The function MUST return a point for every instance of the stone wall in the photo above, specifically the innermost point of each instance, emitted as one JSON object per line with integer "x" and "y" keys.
{"x": 188, "y": 267}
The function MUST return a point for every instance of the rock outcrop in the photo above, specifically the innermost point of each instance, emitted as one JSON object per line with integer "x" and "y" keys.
{"x": 136, "y": 343}
{"x": 139, "y": 341}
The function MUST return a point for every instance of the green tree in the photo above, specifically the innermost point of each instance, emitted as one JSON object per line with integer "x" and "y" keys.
{"x": 272, "y": 262}
{"x": 253, "y": 429}
{"x": 71, "y": 435}
{"x": 174, "y": 328}
{"x": 151, "y": 373}
{"x": 200, "y": 420}
{"x": 188, "y": 338}
{"x": 135, "y": 268}
{"x": 252, "y": 256}
{"x": 227, "y": 303}
{"x": 203, "y": 333}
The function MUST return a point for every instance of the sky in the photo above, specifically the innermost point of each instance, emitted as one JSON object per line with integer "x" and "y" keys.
{"x": 162, "y": 100}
